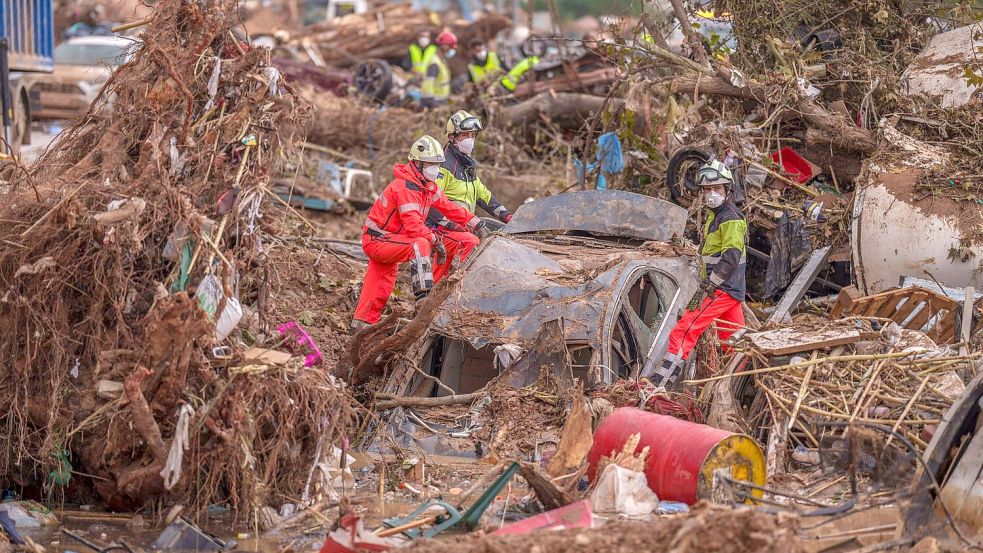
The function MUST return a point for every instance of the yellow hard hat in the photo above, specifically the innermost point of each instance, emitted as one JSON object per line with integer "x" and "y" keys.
{"x": 426, "y": 148}
{"x": 463, "y": 121}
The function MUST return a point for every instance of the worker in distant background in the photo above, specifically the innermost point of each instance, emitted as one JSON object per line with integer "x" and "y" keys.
{"x": 395, "y": 232}
{"x": 514, "y": 76}
{"x": 484, "y": 64}
{"x": 486, "y": 68}
{"x": 436, "y": 87}
{"x": 459, "y": 172}
{"x": 420, "y": 52}
{"x": 719, "y": 299}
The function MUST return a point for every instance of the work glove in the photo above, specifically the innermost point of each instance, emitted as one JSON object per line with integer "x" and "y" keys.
{"x": 440, "y": 251}
{"x": 481, "y": 230}
{"x": 705, "y": 290}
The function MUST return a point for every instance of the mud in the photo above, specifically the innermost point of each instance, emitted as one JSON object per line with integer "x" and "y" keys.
{"x": 705, "y": 530}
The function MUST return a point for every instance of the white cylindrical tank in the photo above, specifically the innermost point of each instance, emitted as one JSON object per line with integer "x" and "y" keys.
{"x": 893, "y": 235}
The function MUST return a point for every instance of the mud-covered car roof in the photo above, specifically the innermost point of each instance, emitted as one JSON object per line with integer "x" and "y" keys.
{"x": 529, "y": 275}
{"x": 612, "y": 213}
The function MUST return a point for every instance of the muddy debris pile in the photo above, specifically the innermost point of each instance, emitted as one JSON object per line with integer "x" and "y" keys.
{"x": 141, "y": 247}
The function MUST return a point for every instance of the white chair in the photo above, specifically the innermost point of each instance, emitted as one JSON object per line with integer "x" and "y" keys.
{"x": 343, "y": 7}
{"x": 361, "y": 178}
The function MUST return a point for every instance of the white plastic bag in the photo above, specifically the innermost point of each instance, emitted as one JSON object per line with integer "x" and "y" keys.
{"x": 623, "y": 492}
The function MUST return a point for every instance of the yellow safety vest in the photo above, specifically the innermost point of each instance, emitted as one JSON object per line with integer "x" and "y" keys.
{"x": 479, "y": 73}
{"x": 420, "y": 56}
{"x": 440, "y": 86}
{"x": 511, "y": 79}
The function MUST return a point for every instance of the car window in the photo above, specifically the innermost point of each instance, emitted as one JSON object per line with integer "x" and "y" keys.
{"x": 649, "y": 297}
{"x": 91, "y": 54}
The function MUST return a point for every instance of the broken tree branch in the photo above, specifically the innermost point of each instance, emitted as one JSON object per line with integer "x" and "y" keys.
{"x": 427, "y": 401}
{"x": 831, "y": 127}
{"x": 694, "y": 40}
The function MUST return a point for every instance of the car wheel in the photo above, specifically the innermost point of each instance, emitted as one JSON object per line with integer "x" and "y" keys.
{"x": 681, "y": 174}
{"x": 373, "y": 79}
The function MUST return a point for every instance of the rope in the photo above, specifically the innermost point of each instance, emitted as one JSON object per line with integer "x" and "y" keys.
{"x": 175, "y": 457}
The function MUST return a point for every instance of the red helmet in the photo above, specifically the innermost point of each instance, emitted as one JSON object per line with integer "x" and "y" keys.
{"x": 447, "y": 38}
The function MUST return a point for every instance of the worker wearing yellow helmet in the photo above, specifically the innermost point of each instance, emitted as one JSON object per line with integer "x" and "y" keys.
{"x": 459, "y": 172}
{"x": 395, "y": 232}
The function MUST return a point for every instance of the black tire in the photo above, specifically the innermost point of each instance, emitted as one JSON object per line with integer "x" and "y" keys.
{"x": 373, "y": 79}
{"x": 681, "y": 174}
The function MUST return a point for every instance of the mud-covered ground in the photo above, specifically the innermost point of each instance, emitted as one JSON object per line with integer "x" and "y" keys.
{"x": 705, "y": 530}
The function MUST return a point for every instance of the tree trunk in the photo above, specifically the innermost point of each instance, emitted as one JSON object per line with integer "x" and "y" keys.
{"x": 565, "y": 110}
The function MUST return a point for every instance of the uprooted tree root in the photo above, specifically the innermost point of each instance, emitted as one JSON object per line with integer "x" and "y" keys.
{"x": 97, "y": 292}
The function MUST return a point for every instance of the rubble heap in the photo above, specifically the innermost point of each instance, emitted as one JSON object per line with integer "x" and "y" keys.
{"x": 116, "y": 273}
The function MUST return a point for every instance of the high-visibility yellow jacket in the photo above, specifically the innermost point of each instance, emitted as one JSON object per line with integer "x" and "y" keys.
{"x": 492, "y": 66}
{"x": 512, "y": 78}
{"x": 459, "y": 180}
{"x": 436, "y": 80}
{"x": 420, "y": 56}
{"x": 724, "y": 249}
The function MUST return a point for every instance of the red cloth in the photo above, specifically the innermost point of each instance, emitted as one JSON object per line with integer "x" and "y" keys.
{"x": 403, "y": 206}
{"x": 396, "y": 221}
{"x": 720, "y": 308}
{"x": 387, "y": 252}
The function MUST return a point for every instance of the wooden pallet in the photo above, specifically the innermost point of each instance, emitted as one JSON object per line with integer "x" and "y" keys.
{"x": 913, "y": 308}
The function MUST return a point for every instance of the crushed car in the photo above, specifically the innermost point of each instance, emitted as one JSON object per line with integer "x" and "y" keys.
{"x": 605, "y": 268}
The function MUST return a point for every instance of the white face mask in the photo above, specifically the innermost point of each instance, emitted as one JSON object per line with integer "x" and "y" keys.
{"x": 430, "y": 172}
{"x": 423, "y": 41}
{"x": 481, "y": 55}
{"x": 714, "y": 200}
{"x": 466, "y": 146}
{"x": 451, "y": 53}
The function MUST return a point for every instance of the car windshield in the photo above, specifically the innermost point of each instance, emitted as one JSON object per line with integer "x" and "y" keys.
{"x": 91, "y": 54}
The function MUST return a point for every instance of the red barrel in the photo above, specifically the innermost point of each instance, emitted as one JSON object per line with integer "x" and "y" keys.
{"x": 683, "y": 456}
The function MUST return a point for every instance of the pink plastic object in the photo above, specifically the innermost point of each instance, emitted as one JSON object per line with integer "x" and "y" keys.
{"x": 793, "y": 165}
{"x": 574, "y": 515}
{"x": 302, "y": 340}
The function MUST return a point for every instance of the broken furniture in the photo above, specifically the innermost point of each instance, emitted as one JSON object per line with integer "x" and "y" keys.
{"x": 913, "y": 308}
{"x": 408, "y": 525}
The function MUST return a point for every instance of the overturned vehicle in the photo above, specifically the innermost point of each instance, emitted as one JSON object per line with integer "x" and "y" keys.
{"x": 589, "y": 283}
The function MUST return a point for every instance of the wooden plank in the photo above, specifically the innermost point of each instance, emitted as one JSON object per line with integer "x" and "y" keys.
{"x": 874, "y": 305}
{"x": 967, "y": 320}
{"x": 889, "y": 308}
{"x": 959, "y": 488}
{"x": 922, "y": 316}
{"x": 791, "y": 339}
{"x": 908, "y": 307}
{"x": 844, "y": 301}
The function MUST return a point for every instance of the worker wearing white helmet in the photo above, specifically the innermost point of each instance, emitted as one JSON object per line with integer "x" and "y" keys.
{"x": 719, "y": 300}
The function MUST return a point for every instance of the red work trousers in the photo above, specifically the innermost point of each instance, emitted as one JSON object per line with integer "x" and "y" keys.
{"x": 720, "y": 308}
{"x": 385, "y": 253}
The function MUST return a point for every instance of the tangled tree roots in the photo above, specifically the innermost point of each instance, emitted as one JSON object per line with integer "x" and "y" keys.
{"x": 102, "y": 241}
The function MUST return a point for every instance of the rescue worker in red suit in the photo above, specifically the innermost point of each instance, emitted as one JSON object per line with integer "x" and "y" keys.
{"x": 719, "y": 300}
{"x": 395, "y": 232}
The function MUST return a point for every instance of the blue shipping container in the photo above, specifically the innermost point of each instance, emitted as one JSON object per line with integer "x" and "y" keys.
{"x": 28, "y": 27}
